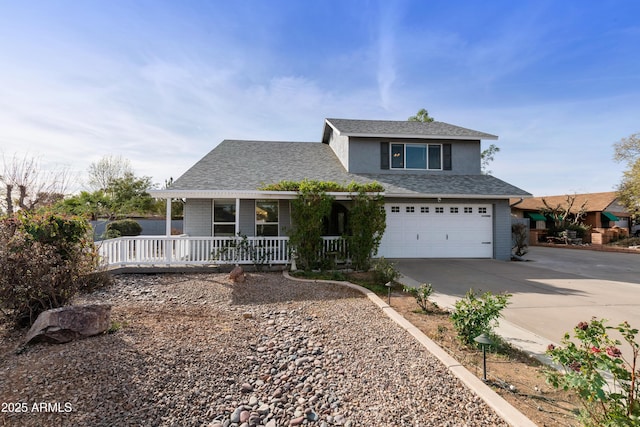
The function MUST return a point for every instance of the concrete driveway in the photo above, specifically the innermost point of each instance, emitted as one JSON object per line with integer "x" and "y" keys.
{"x": 553, "y": 291}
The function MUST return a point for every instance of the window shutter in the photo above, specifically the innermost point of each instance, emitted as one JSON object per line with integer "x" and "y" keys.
{"x": 446, "y": 157}
{"x": 384, "y": 155}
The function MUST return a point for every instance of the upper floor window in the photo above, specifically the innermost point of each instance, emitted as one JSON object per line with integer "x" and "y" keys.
{"x": 416, "y": 156}
{"x": 266, "y": 217}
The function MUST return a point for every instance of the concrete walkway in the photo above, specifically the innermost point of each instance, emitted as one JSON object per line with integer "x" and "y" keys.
{"x": 552, "y": 292}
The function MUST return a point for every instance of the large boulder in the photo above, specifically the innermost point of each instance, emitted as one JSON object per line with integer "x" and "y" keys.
{"x": 65, "y": 324}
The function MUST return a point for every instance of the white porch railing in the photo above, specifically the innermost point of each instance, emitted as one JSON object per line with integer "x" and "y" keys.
{"x": 188, "y": 250}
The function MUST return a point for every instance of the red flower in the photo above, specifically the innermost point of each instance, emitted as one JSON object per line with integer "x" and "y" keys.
{"x": 575, "y": 366}
{"x": 595, "y": 350}
{"x": 614, "y": 352}
{"x": 583, "y": 325}
{"x": 551, "y": 347}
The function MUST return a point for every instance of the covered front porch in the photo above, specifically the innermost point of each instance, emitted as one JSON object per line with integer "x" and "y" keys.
{"x": 186, "y": 250}
{"x": 226, "y": 228}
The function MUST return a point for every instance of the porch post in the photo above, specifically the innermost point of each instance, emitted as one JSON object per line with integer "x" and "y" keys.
{"x": 168, "y": 221}
{"x": 237, "y": 216}
{"x": 167, "y": 242}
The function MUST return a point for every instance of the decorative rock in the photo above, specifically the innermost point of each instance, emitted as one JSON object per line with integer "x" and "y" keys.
{"x": 296, "y": 421}
{"x": 235, "y": 416}
{"x": 246, "y": 388}
{"x": 61, "y": 325}
{"x": 237, "y": 275}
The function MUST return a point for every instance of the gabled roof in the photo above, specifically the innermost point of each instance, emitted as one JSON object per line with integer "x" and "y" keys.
{"x": 400, "y": 129}
{"x": 247, "y": 165}
{"x": 244, "y": 166}
{"x": 596, "y": 202}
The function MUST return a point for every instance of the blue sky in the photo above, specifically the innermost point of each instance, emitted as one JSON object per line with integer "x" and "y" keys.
{"x": 162, "y": 82}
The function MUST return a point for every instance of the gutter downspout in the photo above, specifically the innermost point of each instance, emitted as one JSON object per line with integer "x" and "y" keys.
{"x": 518, "y": 202}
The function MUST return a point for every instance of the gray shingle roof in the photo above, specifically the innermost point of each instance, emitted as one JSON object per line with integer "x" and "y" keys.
{"x": 452, "y": 185}
{"x": 246, "y": 165}
{"x": 405, "y": 129}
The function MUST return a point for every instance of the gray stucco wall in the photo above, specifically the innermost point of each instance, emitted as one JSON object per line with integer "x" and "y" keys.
{"x": 284, "y": 216}
{"x": 364, "y": 156}
{"x": 340, "y": 145}
{"x": 197, "y": 217}
{"x": 247, "y": 217}
{"x": 501, "y": 230}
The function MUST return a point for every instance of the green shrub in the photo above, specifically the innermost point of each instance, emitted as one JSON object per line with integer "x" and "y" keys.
{"x": 45, "y": 259}
{"x": 123, "y": 227}
{"x": 384, "y": 271}
{"x": 605, "y": 381}
{"x": 367, "y": 222}
{"x": 477, "y": 314}
{"x": 422, "y": 294}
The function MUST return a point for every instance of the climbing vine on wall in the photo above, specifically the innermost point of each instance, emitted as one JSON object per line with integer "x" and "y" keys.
{"x": 367, "y": 222}
{"x": 308, "y": 211}
{"x": 326, "y": 186}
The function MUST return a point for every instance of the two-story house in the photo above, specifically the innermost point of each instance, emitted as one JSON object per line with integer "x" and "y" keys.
{"x": 438, "y": 203}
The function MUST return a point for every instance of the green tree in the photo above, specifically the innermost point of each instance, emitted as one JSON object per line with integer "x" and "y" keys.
{"x": 129, "y": 195}
{"x": 487, "y": 156}
{"x": 628, "y": 150}
{"x": 87, "y": 205}
{"x": 421, "y": 116}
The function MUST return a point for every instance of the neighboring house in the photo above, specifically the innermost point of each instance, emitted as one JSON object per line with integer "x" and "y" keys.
{"x": 437, "y": 201}
{"x": 603, "y": 212}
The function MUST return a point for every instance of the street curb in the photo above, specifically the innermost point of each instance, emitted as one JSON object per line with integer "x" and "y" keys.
{"x": 504, "y": 409}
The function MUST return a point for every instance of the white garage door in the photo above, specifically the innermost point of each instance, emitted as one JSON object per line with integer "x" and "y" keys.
{"x": 438, "y": 230}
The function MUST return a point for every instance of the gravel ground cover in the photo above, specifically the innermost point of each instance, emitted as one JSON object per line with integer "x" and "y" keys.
{"x": 197, "y": 350}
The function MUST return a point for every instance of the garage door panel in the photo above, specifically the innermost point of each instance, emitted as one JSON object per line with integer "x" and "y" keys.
{"x": 438, "y": 231}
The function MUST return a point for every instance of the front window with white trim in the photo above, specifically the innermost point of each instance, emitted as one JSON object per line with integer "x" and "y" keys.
{"x": 267, "y": 218}
{"x": 224, "y": 217}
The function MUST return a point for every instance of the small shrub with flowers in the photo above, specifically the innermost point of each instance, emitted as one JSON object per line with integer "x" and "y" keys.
{"x": 595, "y": 368}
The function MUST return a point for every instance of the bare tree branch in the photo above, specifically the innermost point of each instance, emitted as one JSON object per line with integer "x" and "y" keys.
{"x": 36, "y": 187}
